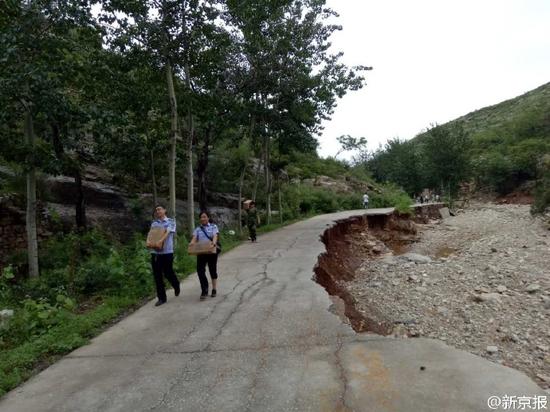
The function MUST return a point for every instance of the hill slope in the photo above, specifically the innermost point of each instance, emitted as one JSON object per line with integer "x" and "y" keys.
{"x": 508, "y": 140}
{"x": 499, "y": 115}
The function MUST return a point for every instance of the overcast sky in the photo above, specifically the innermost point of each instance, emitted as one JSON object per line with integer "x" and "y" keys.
{"x": 434, "y": 60}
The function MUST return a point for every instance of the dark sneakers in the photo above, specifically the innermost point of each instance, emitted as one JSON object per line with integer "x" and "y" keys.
{"x": 213, "y": 293}
{"x": 177, "y": 291}
{"x": 204, "y": 296}
{"x": 160, "y": 302}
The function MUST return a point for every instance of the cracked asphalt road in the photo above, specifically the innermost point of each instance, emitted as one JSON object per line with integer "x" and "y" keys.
{"x": 267, "y": 343}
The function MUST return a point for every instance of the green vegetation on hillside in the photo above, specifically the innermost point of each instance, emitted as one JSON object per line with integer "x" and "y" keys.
{"x": 498, "y": 147}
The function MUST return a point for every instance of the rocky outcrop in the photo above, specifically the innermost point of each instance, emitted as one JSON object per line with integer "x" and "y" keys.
{"x": 108, "y": 207}
{"x": 347, "y": 185}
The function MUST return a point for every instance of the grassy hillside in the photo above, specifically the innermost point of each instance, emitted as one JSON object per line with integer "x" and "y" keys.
{"x": 535, "y": 102}
{"x": 508, "y": 141}
{"x": 502, "y": 148}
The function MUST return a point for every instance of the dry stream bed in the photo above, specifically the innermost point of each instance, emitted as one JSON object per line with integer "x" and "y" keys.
{"x": 480, "y": 281}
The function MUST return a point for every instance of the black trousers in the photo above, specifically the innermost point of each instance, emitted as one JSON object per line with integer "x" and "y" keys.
{"x": 212, "y": 261}
{"x": 163, "y": 268}
{"x": 252, "y": 232}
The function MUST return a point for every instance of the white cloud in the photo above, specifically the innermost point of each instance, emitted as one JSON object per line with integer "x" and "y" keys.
{"x": 434, "y": 60}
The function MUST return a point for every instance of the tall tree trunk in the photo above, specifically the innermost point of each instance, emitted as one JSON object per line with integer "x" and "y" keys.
{"x": 70, "y": 167}
{"x": 191, "y": 127}
{"x": 267, "y": 179}
{"x": 80, "y": 200}
{"x": 153, "y": 178}
{"x": 257, "y": 176}
{"x": 190, "y": 184}
{"x": 202, "y": 166}
{"x": 174, "y": 137}
{"x": 280, "y": 200}
{"x": 32, "y": 238}
{"x": 241, "y": 184}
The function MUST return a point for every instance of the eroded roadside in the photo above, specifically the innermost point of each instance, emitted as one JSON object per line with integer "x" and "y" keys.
{"x": 479, "y": 281}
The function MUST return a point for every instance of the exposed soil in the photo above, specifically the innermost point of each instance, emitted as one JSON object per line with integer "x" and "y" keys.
{"x": 479, "y": 281}
{"x": 516, "y": 198}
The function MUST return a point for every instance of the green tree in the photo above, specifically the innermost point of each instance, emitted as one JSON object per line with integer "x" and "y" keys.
{"x": 445, "y": 157}
{"x": 43, "y": 47}
{"x": 349, "y": 143}
{"x": 293, "y": 81}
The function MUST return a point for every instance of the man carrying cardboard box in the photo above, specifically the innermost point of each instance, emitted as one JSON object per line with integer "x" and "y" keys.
{"x": 161, "y": 243}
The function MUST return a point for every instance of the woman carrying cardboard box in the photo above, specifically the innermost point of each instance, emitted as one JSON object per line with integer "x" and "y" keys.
{"x": 206, "y": 246}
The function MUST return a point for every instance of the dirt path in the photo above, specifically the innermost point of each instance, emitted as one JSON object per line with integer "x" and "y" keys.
{"x": 486, "y": 288}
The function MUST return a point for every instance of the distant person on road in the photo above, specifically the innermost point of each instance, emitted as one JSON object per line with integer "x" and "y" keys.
{"x": 366, "y": 200}
{"x": 252, "y": 221}
{"x": 162, "y": 255}
{"x": 207, "y": 232}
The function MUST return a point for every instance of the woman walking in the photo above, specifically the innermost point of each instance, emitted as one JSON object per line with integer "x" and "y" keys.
{"x": 207, "y": 232}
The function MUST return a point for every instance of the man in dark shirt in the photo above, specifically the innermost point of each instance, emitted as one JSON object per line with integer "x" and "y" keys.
{"x": 252, "y": 220}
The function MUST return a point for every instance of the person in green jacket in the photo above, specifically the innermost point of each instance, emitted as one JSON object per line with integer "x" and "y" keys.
{"x": 252, "y": 220}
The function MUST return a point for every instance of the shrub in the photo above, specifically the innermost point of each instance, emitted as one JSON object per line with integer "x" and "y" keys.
{"x": 303, "y": 200}
{"x": 391, "y": 196}
{"x": 542, "y": 189}
{"x": 495, "y": 171}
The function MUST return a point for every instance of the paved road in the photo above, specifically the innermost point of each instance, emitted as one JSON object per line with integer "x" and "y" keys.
{"x": 267, "y": 343}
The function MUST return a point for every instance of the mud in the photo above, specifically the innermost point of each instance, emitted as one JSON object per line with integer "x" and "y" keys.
{"x": 352, "y": 240}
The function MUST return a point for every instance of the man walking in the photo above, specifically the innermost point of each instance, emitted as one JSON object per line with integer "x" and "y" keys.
{"x": 162, "y": 255}
{"x": 252, "y": 220}
{"x": 366, "y": 200}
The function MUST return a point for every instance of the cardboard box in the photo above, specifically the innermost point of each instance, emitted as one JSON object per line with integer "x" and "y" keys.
{"x": 201, "y": 248}
{"x": 154, "y": 235}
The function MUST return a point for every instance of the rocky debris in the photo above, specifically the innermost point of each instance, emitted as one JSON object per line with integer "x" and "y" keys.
{"x": 444, "y": 213}
{"x": 532, "y": 288}
{"x": 416, "y": 258}
{"x": 487, "y": 297}
{"x": 492, "y": 349}
{"x": 490, "y": 292}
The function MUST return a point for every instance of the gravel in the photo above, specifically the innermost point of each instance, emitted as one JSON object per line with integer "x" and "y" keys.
{"x": 479, "y": 281}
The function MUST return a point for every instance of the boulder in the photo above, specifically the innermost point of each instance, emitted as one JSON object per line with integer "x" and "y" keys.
{"x": 492, "y": 349}
{"x": 416, "y": 258}
{"x": 487, "y": 297}
{"x": 532, "y": 288}
{"x": 444, "y": 213}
